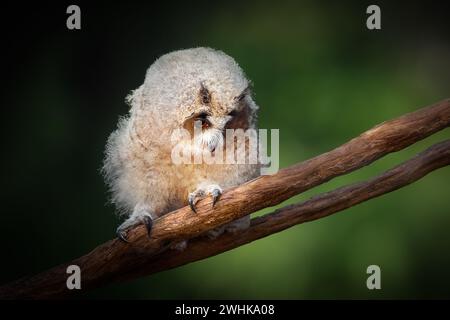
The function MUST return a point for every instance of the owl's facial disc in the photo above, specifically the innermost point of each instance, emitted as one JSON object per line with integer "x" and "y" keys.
{"x": 211, "y": 121}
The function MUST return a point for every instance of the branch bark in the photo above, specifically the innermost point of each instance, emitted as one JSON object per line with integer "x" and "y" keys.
{"x": 317, "y": 207}
{"x": 115, "y": 260}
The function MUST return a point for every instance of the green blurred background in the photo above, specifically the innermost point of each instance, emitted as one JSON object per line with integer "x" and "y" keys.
{"x": 319, "y": 75}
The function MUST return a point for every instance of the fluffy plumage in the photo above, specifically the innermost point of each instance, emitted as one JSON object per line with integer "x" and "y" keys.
{"x": 179, "y": 87}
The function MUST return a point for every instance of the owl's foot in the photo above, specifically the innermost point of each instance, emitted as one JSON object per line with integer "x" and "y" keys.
{"x": 133, "y": 221}
{"x": 213, "y": 190}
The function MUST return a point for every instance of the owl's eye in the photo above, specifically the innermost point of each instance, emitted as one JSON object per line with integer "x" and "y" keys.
{"x": 244, "y": 93}
{"x": 241, "y": 97}
{"x": 202, "y": 117}
{"x": 232, "y": 113}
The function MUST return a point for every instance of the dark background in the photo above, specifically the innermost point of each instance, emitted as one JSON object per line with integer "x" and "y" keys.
{"x": 319, "y": 75}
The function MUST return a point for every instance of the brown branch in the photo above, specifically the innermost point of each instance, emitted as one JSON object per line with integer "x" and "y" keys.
{"x": 115, "y": 260}
{"x": 317, "y": 207}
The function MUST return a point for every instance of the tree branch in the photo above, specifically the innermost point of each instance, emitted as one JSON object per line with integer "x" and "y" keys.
{"x": 317, "y": 207}
{"x": 115, "y": 260}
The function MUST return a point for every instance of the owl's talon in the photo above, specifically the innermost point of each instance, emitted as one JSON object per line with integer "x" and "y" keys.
{"x": 148, "y": 222}
{"x": 122, "y": 235}
{"x": 214, "y": 190}
{"x": 216, "y": 193}
{"x": 134, "y": 220}
{"x": 194, "y": 197}
{"x": 192, "y": 202}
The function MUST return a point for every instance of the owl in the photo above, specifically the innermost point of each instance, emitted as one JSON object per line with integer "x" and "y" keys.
{"x": 183, "y": 90}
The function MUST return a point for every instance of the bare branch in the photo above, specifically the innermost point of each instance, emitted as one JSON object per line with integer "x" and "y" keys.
{"x": 115, "y": 260}
{"x": 317, "y": 207}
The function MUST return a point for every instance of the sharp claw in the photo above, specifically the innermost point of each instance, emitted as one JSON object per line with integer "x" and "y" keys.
{"x": 215, "y": 199}
{"x": 148, "y": 221}
{"x": 192, "y": 205}
{"x": 122, "y": 236}
{"x": 215, "y": 195}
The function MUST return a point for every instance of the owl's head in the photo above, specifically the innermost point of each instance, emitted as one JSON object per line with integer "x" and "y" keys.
{"x": 199, "y": 86}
